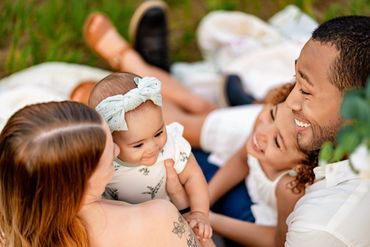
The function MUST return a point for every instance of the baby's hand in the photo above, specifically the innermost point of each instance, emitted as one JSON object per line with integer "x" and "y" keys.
{"x": 199, "y": 222}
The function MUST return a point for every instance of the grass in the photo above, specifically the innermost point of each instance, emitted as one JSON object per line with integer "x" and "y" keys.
{"x": 36, "y": 31}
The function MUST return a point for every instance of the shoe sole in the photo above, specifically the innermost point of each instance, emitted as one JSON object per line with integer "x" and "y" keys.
{"x": 138, "y": 14}
{"x": 92, "y": 41}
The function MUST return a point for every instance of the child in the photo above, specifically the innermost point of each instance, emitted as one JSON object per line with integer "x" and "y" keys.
{"x": 132, "y": 108}
{"x": 275, "y": 172}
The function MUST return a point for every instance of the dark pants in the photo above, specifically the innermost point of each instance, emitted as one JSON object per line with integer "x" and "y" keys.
{"x": 236, "y": 203}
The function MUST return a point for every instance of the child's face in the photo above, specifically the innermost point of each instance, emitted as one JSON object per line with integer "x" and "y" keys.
{"x": 145, "y": 137}
{"x": 274, "y": 140}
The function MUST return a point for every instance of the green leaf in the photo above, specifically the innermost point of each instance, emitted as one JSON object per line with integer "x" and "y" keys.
{"x": 362, "y": 128}
{"x": 368, "y": 90}
{"x": 355, "y": 106}
{"x": 339, "y": 154}
{"x": 327, "y": 151}
{"x": 348, "y": 139}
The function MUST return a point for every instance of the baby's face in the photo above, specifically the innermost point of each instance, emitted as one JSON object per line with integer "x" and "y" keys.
{"x": 145, "y": 137}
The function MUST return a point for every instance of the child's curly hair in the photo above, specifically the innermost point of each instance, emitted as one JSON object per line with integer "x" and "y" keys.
{"x": 305, "y": 175}
{"x": 278, "y": 95}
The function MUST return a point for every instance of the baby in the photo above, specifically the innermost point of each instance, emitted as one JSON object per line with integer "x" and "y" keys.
{"x": 131, "y": 106}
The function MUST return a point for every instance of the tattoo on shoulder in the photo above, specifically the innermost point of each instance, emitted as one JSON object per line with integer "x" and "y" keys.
{"x": 181, "y": 228}
{"x": 191, "y": 240}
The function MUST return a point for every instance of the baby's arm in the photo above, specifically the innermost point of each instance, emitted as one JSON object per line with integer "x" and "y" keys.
{"x": 196, "y": 187}
{"x": 230, "y": 174}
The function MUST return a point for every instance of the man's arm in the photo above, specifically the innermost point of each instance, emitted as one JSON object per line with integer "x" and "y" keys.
{"x": 230, "y": 174}
{"x": 312, "y": 238}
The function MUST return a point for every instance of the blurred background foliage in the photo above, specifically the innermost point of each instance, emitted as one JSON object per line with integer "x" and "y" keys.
{"x": 36, "y": 31}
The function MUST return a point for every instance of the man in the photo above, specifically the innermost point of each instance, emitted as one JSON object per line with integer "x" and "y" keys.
{"x": 334, "y": 60}
{"x": 334, "y": 211}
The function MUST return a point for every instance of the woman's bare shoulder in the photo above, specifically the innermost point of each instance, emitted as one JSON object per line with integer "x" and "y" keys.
{"x": 142, "y": 211}
{"x": 153, "y": 223}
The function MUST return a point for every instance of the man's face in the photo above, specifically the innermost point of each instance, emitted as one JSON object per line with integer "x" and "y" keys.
{"x": 314, "y": 101}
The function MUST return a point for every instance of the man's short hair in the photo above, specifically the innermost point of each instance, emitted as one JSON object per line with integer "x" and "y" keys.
{"x": 351, "y": 37}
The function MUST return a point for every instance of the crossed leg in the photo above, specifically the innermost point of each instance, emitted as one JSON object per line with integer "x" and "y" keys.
{"x": 192, "y": 122}
{"x": 104, "y": 39}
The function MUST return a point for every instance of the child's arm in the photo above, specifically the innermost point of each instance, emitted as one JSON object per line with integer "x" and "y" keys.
{"x": 243, "y": 232}
{"x": 285, "y": 200}
{"x": 230, "y": 174}
{"x": 249, "y": 234}
{"x": 197, "y": 190}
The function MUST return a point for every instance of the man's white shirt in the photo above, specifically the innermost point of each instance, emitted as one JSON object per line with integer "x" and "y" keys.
{"x": 335, "y": 210}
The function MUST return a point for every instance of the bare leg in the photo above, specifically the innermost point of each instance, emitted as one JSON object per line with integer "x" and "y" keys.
{"x": 172, "y": 89}
{"x": 104, "y": 39}
{"x": 192, "y": 123}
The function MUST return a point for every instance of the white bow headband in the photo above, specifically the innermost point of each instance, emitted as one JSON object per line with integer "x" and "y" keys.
{"x": 113, "y": 108}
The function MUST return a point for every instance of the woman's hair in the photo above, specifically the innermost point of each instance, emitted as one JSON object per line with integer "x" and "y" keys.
{"x": 113, "y": 84}
{"x": 305, "y": 174}
{"x": 48, "y": 152}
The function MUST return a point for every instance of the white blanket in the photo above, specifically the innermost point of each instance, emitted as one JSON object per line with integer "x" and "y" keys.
{"x": 261, "y": 53}
{"x": 52, "y": 81}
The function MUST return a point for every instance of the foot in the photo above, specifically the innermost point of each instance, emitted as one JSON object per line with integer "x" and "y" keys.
{"x": 81, "y": 92}
{"x": 148, "y": 33}
{"x": 235, "y": 93}
{"x": 102, "y": 37}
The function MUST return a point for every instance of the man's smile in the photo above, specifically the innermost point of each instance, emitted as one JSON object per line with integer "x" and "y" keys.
{"x": 301, "y": 124}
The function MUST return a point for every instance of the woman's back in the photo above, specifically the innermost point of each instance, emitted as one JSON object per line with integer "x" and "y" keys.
{"x": 154, "y": 223}
{"x": 42, "y": 147}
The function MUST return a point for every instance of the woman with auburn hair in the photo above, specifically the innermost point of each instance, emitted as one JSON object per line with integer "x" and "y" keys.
{"x": 55, "y": 160}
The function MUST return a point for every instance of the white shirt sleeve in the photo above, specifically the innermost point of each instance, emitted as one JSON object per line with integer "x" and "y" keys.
{"x": 177, "y": 146}
{"x": 312, "y": 238}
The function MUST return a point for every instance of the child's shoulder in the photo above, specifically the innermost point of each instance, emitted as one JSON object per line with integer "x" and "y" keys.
{"x": 175, "y": 128}
{"x": 284, "y": 187}
{"x": 175, "y": 136}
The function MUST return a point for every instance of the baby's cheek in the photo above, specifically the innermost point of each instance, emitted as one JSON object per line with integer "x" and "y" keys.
{"x": 164, "y": 140}
{"x": 126, "y": 154}
{"x": 135, "y": 155}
